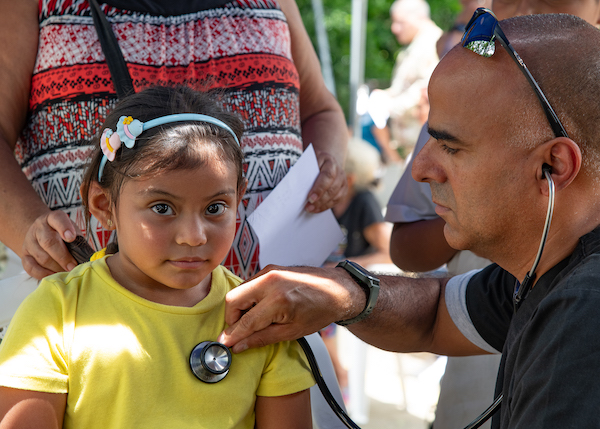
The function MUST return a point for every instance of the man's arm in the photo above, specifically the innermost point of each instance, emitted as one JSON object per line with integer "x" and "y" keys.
{"x": 323, "y": 122}
{"x": 284, "y": 304}
{"x": 41, "y": 248}
{"x": 420, "y": 246}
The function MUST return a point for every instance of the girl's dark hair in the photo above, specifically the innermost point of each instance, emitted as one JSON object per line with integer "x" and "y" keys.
{"x": 176, "y": 145}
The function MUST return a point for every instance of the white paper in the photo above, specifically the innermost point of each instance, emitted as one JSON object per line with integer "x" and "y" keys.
{"x": 288, "y": 234}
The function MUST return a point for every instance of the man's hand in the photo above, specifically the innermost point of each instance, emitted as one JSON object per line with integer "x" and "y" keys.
{"x": 281, "y": 304}
{"x": 331, "y": 184}
{"x": 44, "y": 251}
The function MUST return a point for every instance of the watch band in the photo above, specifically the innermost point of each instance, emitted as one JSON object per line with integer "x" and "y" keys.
{"x": 370, "y": 285}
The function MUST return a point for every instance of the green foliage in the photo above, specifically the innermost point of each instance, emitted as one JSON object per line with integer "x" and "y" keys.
{"x": 381, "y": 46}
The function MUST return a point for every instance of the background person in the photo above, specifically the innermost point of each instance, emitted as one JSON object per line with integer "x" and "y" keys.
{"x": 403, "y": 101}
{"x": 486, "y": 164}
{"x": 367, "y": 235}
{"x": 56, "y": 91}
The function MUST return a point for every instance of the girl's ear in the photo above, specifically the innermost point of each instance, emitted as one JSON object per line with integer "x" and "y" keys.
{"x": 100, "y": 206}
{"x": 242, "y": 191}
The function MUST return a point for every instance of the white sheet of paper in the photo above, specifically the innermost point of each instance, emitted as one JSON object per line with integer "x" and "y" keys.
{"x": 288, "y": 234}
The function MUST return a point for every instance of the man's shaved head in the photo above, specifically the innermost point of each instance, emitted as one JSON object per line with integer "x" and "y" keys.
{"x": 563, "y": 54}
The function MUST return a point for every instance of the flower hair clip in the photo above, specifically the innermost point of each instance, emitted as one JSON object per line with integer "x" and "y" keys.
{"x": 128, "y": 130}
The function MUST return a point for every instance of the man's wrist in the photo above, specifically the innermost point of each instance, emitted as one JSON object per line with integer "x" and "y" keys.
{"x": 368, "y": 283}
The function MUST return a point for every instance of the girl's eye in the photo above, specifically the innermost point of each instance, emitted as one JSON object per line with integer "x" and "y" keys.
{"x": 216, "y": 209}
{"x": 162, "y": 209}
{"x": 449, "y": 150}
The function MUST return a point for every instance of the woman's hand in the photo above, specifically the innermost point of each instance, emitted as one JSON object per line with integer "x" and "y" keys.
{"x": 330, "y": 186}
{"x": 44, "y": 250}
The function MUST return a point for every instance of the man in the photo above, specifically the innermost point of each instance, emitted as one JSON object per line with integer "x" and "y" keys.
{"x": 486, "y": 163}
{"x": 418, "y": 244}
{"x": 403, "y": 101}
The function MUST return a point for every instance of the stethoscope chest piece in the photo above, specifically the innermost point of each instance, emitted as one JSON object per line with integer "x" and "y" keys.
{"x": 210, "y": 361}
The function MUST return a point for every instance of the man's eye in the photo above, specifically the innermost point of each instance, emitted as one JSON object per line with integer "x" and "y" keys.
{"x": 216, "y": 209}
{"x": 448, "y": 149}
{"x": 162, "y": 209}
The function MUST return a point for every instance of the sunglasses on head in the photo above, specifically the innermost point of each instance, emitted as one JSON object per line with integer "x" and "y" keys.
{"x": 480, "y": 35}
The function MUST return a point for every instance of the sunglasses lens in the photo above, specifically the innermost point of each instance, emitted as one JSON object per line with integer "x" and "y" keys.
{"x": 481, "y": 47}
{"x": 479, "y": 36}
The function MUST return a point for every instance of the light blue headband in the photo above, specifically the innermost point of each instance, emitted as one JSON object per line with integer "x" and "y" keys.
{"x": 128, "y": 129}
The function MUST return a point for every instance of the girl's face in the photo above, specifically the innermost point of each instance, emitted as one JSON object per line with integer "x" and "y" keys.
{"x": 174, "y": 228}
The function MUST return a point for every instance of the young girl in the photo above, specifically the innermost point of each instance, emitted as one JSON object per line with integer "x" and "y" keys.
{"x": 109, "y": 345}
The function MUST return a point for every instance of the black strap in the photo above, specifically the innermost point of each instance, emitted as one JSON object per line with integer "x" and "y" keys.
{"x": 114, "y": 56}
{"x": 166, "y": 7}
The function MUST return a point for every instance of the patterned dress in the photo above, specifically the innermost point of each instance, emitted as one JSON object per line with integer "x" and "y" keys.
{"x": 242, "y": 47}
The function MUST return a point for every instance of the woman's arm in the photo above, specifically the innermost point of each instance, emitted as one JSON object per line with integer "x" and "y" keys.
{"x": 284, "y": 412}
{"x": 27, "y": 226}
{"x": 29, "y": 409}
{"x": 323, "y": 122}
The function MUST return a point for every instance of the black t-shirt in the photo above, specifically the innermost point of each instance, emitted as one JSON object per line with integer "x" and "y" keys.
{"x": 363, "y": 211}
{"x": 550, "y": 369}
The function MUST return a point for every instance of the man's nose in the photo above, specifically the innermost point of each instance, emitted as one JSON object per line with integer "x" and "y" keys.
{"x": 425, "y": 168}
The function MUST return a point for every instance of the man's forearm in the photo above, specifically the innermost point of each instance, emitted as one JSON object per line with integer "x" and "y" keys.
{"x": 411, "y": 316}
{"x": 405, "y": 315}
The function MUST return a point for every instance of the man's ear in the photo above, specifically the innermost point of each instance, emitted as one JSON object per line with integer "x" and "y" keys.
{"x": 100, "y": 206}
{"x": 563, "y": 156}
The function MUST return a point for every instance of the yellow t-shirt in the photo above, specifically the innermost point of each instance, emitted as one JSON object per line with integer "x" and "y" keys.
{"x": 124, "y": 360}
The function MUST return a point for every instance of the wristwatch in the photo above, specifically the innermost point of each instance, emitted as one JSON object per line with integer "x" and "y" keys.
{"x": 370, "y": 285}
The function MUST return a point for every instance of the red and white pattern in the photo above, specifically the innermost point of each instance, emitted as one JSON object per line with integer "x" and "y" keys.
{"x": 243, "y": 47}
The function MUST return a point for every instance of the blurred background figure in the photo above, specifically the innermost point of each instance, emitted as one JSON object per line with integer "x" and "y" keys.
{"x": 377, "y": 137}
{"x": 404, "y": 104}
{"x": 367, "y": 235}
{"x": 358, "y": 213}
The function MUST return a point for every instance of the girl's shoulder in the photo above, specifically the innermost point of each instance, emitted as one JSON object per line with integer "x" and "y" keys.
{"x": 223, "y": 274}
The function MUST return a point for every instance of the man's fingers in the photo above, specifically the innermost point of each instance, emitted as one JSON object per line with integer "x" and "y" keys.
{"x": 270, "y": 335}
{"x": 245, "y": 318}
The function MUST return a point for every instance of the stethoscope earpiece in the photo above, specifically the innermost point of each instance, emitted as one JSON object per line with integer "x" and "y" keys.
{"x": 210, "y": 361}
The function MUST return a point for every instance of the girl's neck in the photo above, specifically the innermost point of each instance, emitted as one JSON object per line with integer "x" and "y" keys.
{"x": 155, "y": 292}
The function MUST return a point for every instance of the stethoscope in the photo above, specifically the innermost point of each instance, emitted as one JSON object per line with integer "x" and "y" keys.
{"x": 210, "y": 361}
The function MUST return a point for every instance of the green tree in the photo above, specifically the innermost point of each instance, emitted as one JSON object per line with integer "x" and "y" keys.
{"x": 381, "y": 46}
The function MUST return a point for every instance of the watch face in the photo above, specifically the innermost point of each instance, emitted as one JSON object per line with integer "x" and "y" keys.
{"x": 362, "y": 271}
{"x": 358, "y": 267}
